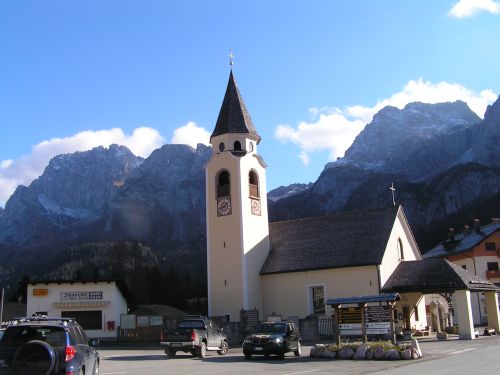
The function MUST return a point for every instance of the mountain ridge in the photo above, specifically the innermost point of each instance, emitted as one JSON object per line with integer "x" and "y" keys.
{"x": 441, "y": 159}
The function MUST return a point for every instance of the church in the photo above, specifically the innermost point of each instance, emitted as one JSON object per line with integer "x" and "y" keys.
{"x": 292, "y": 268}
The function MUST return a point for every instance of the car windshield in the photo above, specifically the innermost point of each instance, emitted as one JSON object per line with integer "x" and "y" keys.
{"x": 272, "y": 328}
{"x": 192, "y": 324}
{"x": 20, "y": 335}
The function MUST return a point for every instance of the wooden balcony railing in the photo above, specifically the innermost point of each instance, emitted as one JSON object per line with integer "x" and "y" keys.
{"x": 492, "y": 274}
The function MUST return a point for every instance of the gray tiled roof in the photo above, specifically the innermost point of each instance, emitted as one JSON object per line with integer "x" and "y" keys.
{"x": 434, "y": 276}
{"x": 233, "y": 115}
{"x": 463, "y": 241}
{"x": 345, "y": 239}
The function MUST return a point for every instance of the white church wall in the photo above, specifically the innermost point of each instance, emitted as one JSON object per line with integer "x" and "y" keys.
{"x": 399, "y": 239}
{"x": 288, "y": 294}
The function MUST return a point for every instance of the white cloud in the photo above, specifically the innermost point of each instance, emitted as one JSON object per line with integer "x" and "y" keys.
{"x": 22, "y": 171}
{"x": 335, "y": 129}
{"x": 469, "y": 8}
{"x": 191, "y": 134}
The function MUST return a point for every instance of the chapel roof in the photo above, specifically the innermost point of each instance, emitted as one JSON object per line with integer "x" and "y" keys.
{"x": 434, "y": 276}
{"x": 464, "y": 241}
{"x": 233, "y": 115}
{"x": 345, "y": 239}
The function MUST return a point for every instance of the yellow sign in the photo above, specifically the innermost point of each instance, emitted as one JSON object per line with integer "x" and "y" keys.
{"x": 40, "y": 292}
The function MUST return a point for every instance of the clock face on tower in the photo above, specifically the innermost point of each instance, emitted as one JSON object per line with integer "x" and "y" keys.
{"x": 223, "y": 206}
{"x": 255, "y": 204}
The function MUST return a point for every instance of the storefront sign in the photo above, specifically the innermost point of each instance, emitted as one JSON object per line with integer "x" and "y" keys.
{"x": 40, "y": 292}
{"x": 80, "y": 296}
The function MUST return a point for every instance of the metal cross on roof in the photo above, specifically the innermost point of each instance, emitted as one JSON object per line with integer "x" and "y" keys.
{"x": 393, "y": 189}
{"x": 231, "y": 58}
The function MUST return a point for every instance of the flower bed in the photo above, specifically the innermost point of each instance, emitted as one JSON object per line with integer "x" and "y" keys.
{"x": 380, "y": 350}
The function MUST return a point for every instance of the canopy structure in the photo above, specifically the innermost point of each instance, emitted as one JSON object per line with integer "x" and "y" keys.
{"x": 386, "y": 297}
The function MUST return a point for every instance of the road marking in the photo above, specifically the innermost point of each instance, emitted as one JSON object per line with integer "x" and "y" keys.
{"x": 302, "y": 372}
{"x": 462, "y": 351}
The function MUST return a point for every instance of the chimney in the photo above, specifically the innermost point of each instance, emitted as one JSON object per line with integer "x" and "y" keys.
{"x": 451, "y": 234}
{"x": 495, "y": 220}
{"x": 477, "y": 228}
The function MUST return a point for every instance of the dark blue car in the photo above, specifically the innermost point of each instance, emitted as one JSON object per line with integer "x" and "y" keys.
{"x": 41, "y": 345}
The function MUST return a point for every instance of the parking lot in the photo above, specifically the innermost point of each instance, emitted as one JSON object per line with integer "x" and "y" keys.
{"x": 443, "y": 357}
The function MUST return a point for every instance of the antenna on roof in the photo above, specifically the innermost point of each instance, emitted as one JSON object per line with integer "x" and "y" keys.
{"x": 231, "y": 58}
{"x": 393, "y": 190}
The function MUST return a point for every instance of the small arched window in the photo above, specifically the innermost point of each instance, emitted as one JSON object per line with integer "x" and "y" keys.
{"x": 253, "y": 184}
{"x": 223, "y": 184}
{"x": 237, "y": 146}
{"x": 401, "y": 255}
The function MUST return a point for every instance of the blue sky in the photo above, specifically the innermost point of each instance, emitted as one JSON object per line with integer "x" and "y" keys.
{"x": 76, "y": 74}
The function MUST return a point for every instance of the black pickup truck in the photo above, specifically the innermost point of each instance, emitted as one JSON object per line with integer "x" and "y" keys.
{"x": 195, "y": 335}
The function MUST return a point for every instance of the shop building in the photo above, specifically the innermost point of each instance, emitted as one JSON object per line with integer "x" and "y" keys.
{"x": 97, "y": 305}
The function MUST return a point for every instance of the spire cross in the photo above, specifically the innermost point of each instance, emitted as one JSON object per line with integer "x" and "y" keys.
{"x": 393, "y": 189}
{"x": 231, "y": 58}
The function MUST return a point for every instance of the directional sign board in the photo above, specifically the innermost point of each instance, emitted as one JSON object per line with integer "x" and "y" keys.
{"x": 377, "y": 314}
{"x": 377, "y": 321}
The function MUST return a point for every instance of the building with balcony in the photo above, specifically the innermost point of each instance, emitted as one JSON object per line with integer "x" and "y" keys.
{"x": 477, "y": 250}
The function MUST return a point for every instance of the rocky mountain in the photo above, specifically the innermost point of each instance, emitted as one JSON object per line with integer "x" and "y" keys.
{"x": 287, "y": 191}
{"x": 74, "y": 191}
{"x": 416, "y": 142}
{"x": 441, "y": 158}
{"x": 108, "y": 196}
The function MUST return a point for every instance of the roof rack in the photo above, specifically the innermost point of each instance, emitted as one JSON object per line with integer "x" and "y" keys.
{"x": 42, "y": 318}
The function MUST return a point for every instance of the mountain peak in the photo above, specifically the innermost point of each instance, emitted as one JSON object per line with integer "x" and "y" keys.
{"x": 395, "y": 138}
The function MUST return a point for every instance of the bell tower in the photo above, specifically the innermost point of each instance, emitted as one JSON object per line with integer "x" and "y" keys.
{"x": 237, "y": 221}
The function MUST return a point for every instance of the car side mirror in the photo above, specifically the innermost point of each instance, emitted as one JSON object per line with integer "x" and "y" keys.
{"x": 93, "y": 342}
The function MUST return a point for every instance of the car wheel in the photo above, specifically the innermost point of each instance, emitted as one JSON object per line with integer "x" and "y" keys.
{"x": 298, "y": 351}
{"x": 248, "y": 356}
{"x": 202, "y": 351}
{"x": 281, "y": 355}
{"x": 223, "y": 349}
{"x": 266, "y": 356}
{"x": 170, "y": 353}
{"x": 193, "y": 353}
{"x": 34, "y": 352}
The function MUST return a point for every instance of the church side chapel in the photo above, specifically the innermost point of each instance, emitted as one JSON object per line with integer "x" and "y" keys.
{"x": 291, "y": 268}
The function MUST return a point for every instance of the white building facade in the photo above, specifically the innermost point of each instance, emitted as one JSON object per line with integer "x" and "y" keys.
{"x": 96, "y": 305}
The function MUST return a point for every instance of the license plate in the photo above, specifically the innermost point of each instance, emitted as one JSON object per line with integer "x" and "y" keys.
{"x": 175, "y": 344}
{"x": 259, "y": 348}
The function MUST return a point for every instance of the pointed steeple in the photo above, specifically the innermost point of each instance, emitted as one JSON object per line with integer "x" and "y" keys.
{"x": 233, "y": 115}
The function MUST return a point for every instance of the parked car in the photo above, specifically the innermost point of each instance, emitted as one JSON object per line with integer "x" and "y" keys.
{"x": 195, "y": 335}
{"x": 42, "y": 345}
{"x": 1, "y": 332}
{"x": 273, "y": 338}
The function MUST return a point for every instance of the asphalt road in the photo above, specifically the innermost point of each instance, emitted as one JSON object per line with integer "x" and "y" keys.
{"x": 440, "y": 357}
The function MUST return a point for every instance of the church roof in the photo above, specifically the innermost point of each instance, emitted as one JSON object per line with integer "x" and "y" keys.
{"x": 233, "y": 115}
{"x": 346, "y": 239}
{"x": 434, "y": 276}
